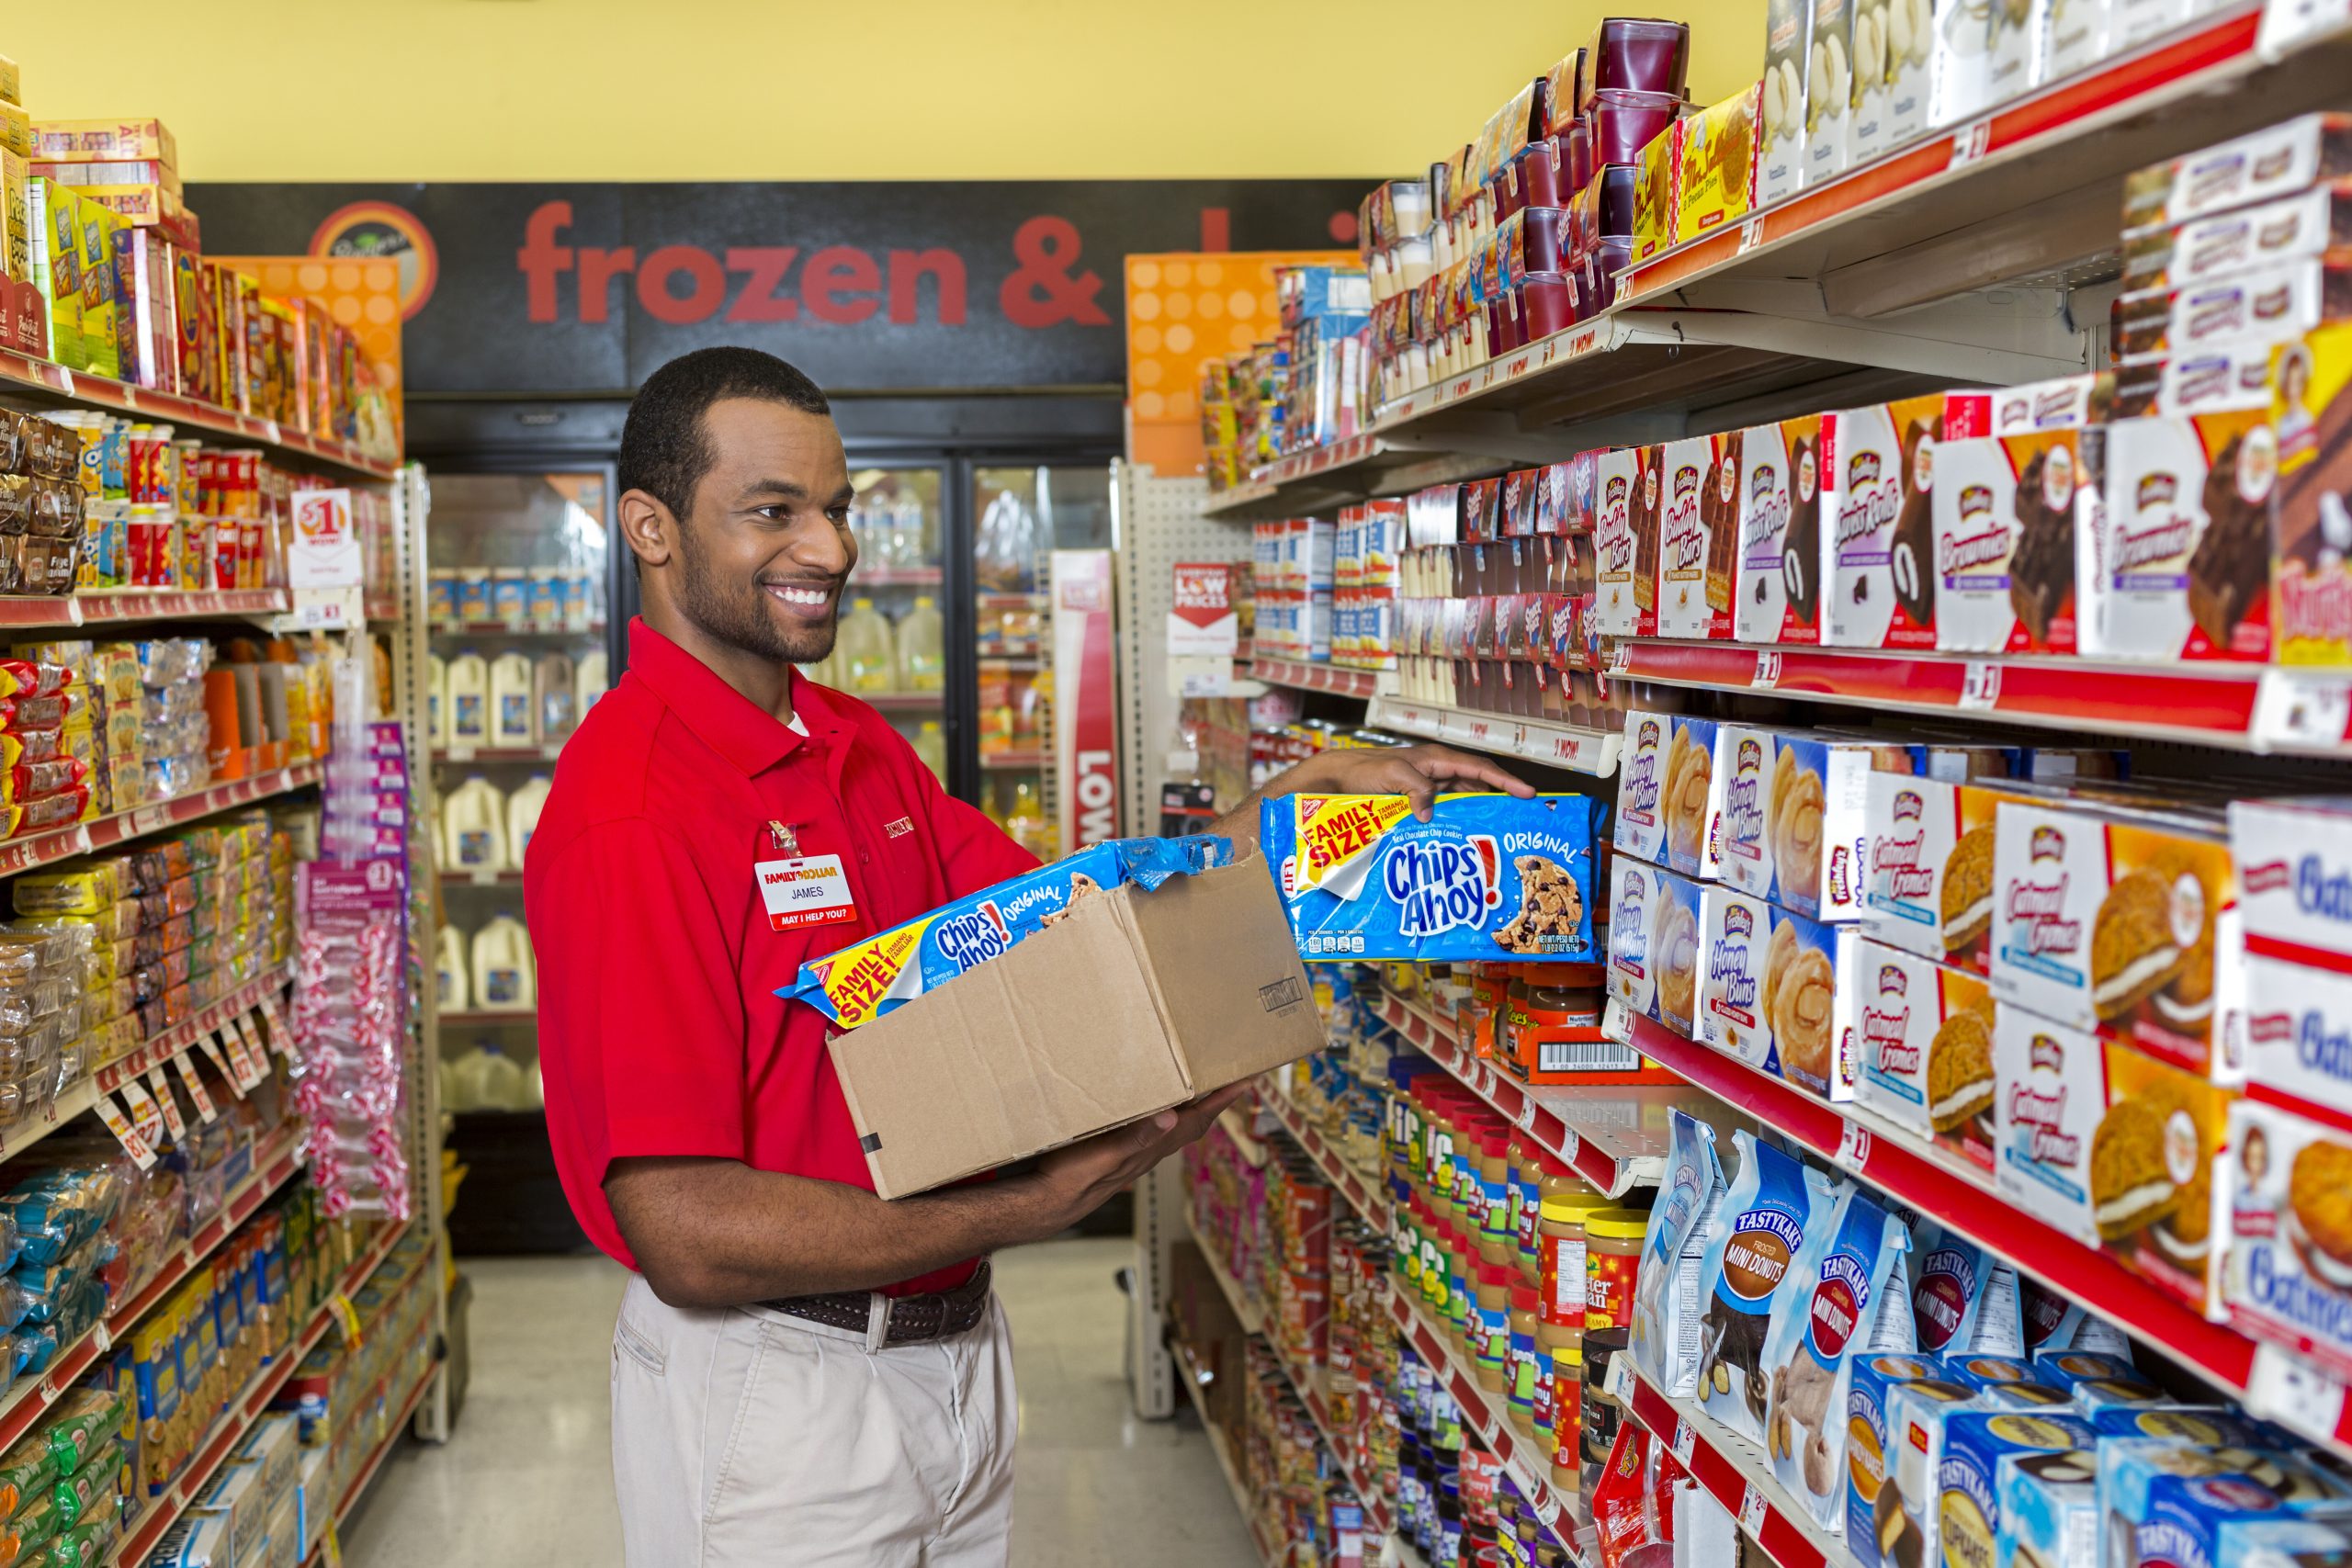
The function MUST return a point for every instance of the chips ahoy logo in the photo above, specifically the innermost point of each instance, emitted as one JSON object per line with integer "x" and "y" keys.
{"x": 1438, "y": 887}
{"x": 970, "y": 940}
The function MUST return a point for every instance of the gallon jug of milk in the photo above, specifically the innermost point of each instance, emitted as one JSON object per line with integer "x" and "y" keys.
{"x": 522, "y": 809}
{"x": 553, "y": 699}
{"x": 487, "y": 1079}
{"x": 503, "y": 980}
{"x": 473, "y": 826}
{"x": 588, "y": 682}
{"x": 469, "y": 684}
{"x": 512, "y": 720}
{"x": 449, "y": 986}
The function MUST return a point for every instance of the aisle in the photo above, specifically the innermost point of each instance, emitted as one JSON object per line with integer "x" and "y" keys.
{"x": 527, "y": 1479}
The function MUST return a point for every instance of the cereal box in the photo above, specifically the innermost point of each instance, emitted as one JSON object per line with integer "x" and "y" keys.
{"x": 1653, "y": 953}
{"x": 2294, "y": 859}
{"x": 2312, "y": 574}
{"x": 1776, "y": 587}
{"x": 890, "y": 969}
{"x": 2289, "y": 1213}
{"x": 1879, "y": 463}
{"x": 1700, "y": 487}
{"x": 1487, "y": 876}
{"x": 1923, "y": 1050}
{"x": 1928, "y": 867}
{"x": 1640, "y": 825}
{"x": 2183, "y": 571}
{"x": 1734, "y": 938}
{"x": 1626, "y": 530}
{"x": 2109, "y": 920}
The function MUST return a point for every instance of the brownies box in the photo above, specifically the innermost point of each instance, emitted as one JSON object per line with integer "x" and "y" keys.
{"x": 2290, "y": 1214}
{"x": 1640, "y": 821}
{"x": 2311, "y": 548}
{"x": 1700, "y": 482}
{"x": 1735, "y": 1014}
{"x": 1923, "y": 1050}
{"x": 2005, "y": 516}
{"x": 2282, "y": 300}
{"x": 1879, "y": 478}
{"x": 1654, "y": 942}
{"x": 1794, "y": 817}
{"x": 2294, "y": 860}
{"x": 1626, "y": 541}
{"x": 2109, "y": 920}
{"x": 2183, "y": 570}
{"x": 1776, "y": 591}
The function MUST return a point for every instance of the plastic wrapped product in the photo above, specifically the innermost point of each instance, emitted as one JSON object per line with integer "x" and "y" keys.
{"x": 1665, "y": 1334}
{"x": 1770, "y": 1206}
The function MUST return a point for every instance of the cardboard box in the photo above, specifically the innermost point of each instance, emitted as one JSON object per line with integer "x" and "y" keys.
{"x": 12, "y": 83}
{"x": 2294, "y": 860}
{"x": 2074, "y": 38}
{"x": 1873, "y": 1448}
{"x": 1893, "y": 110}
{"x": 1924, "y": 1049}
{"x": 96, "y": 229}
{"x": 2006, "y": 513}
{"x": 1716, "y": 184}
{"x": 1776, "y": 589}
{"x": 16, "y": 129}
{"x": 2289, "y": 1258}
{"x": 2298, "y": 1037}
{"x": 1690, "y": 798}
{"x": 2229, "y": 244}
{"x": 1928, "y": 867}
{"x": 1807, "y": 976}
{"x": 1657, "y": 194}
{"x": 1780, "y": 128}
{"x": 16, "y": 219}
{"x": 1960, "y": 63}
{"x": 1879, "y": 466}
{"x": 2048, "y": 1509}
{"x": 1736, "y": 934}
{"x": 1185, "y": 989}
{"x": 1793, "y": 813}
{"x": 104, "y": 140}
{"x": 1653, "y": 953}
{"x": 1829, "y": 92}
{"x": 2311, "y": 564}
{"x": 1919, "y": 1415}
{"x": 1639, "y": 825}
{"x": 2273, "y": 304}
{"x": 2184, "y": 569}
{"x": 56, "y": 224}
{"x": 1625, "y": 531}
{"x": 1967, "y": 1499}
{"x": 1699, "y": 484}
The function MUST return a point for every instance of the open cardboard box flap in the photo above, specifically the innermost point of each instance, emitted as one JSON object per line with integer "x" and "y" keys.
{"x": 1135, "y": 1002}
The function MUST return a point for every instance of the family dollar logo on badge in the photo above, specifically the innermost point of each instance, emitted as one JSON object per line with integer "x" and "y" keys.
{"x": 1438, "y": 887}
{"x": 969, "y": 940}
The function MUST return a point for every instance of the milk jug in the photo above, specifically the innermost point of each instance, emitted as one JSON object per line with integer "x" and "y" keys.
{"x": 553, "y": 699}
{"x": 449, "y": 970}
{"x": 868, "y": 661}
{"x": 511, "y": 721}
{"x": 473, "y": 826}
{"x": 932, "y": 747}
{"x": 486, "y": 1079}
{"x": 922, "y": 661}
{"x": 469, "y": 685}
{"x": 504, "y": 981}
{"x": 522, "y": 809}
{"x": 437, "y": 699}
{"x": 587, "y": 683}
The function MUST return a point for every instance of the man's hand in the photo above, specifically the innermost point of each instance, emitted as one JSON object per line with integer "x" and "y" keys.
{"x": 1414, "y": 772}
{"x": 1076, "y": 1181}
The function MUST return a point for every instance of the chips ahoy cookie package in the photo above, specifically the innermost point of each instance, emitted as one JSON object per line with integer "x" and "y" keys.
{"x": 1489, "y": 876}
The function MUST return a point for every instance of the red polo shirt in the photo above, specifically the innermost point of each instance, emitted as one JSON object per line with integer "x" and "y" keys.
{"x": 660, "y": 1030}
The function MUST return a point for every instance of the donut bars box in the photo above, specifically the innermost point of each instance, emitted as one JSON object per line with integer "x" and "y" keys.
{"x": 1134, "y": 1000}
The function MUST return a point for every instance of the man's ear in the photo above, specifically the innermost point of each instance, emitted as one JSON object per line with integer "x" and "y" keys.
{"x": 647, "y": 528}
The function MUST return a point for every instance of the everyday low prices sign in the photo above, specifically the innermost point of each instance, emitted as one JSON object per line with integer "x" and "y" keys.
{"x": 1086, "y": 723}
{"x": 1202, "y": 621}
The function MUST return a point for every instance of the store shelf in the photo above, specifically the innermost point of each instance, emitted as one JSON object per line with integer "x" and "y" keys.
{"x": 1614, "y": 1138}
{"x": 903, "y": 701}
{"x": 1334, "y": 678}
{"x": 1568, "y": 746}
{"x": 118, "y": 606}
{"x": 482, "y": 879}
{"x": 38, "y": 381}
{"x": 511, "y": 628}
{"x": 1364, "y": 1193}
{"x": 102, "y": 832}
{"x": 894, "y": 577}
{"x": 2243, "y": 707}
{"x": 1245, "y": 1311}
{"x": 1027, "y": 761}
{"x": 487, "y": 1017}
{"x": 1188, "y": 1373}
{"x": 31, "y": 1398}
{"x": 462, "y": 754}
{"x": 1736, "y": 1473}
{"x": 348, "y": 1503}
{"x": 182, "y": 1036}
{"x": 162, "y": 1510}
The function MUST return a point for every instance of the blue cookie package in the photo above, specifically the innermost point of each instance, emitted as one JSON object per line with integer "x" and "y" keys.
{"x": 1487, "y": 876}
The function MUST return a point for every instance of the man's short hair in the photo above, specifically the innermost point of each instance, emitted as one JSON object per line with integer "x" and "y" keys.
{"x": 664, "y": 451}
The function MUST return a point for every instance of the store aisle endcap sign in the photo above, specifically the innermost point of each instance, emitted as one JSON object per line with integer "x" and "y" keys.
{"x": 544, "y": 288}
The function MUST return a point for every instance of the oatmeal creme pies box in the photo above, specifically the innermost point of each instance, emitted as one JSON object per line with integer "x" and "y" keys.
{"x": 2109, "y": 920}
{"x": 2294, "y": 859}
{"x": 2183, "y": 567}
{"x": 1967, "y": 1499}
{"x": 1872, "y": 1451}
{"x": 1928, "y": 867}
{"x": 1640, "y": 825}
{"x": 1624, "y": 542}
{"x": 1879, "y": 467}
{"x": 2290, "y": 1259}
{"x": 1699, "y": 522}
{"x": 1776, "y": 589}
{"x": 2050, "y": 1087}
{"x": 1734, "y": 935}
{"x": 1690, "y": 797}
{"x": 1654, "y": 956}
{"x": 1923, "y": 1048}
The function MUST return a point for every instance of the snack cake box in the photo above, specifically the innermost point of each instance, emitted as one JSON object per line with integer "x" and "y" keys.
{"x": 1879, "y": 468}
{"x": 1624, "y": 542}
{"x": 2311, "y": 565}
{"x": 1794, "y": 813}
{"x": 2298, "y": 1037}
{"x": 2112, "y": 1147}
{"x": 1874, "y": 1519}
{"x": 1487, "y": 877}
{"x": 2005, "y": 514}
{"x": 884, "y": 972}
{"x": 2162, "y": 1502}
{"x": 1777, "y": 587}
{"x": 1771, "y": 991}
{"x": 2111, "y": 919}
{"x": 1654, "y": 954}
{"x": 2048, "y": 1508}
{"x": 1907, "y": 1520}
{"x": 2183, "y": 570}
{"x": 2290, "y": 1232}
{"x": 1968, "y": 1502}
{"x": 2294, "y": 859}
{"x": 1734, "y": 935}
{"x": 1691, "y": 797}
{"x": 1639, "y": 827}
{"x": 1700, "y": 489}
{"x": 1923, "y": 1050}
{"x": 1928, "y": 867}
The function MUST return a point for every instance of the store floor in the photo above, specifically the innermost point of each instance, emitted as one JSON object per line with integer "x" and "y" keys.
{"x": 527, "y": 1480}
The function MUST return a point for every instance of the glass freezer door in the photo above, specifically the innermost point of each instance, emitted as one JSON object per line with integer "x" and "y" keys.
{"x": 891, "y": 651}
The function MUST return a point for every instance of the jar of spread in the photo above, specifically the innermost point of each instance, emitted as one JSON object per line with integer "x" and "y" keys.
{"x": 1521, "y": 1392}
{"x": 1559, "y": 1014}
{"x": 1497, "y": 1244}
{"x": 1490, "y": 1335}
{"x": 1600, "y": 1416}
{"x": 1461, "y": 1281}
{"x": 1560, "y": 1251}
{"x": 1512, "y": 1021}
{"x": 1526, "y": 1201}
{"x": 1567, "y": 1416}
{"x": 1612, "y": 1252}
{"x": 1489, "y": 994}
{"x": 1550, "y": 1339}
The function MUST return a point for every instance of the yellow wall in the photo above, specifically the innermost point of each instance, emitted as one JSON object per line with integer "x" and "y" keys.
{"x": 790, "y": 89}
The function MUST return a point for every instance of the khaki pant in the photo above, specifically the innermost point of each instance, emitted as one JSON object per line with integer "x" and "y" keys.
{"x": 745, "y": 1436}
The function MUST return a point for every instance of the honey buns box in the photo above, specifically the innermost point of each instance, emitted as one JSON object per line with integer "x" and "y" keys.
{"x": 1654, "y": 952}
{"x": 1131, "y": 977}
{"x": 1791, "y": 810}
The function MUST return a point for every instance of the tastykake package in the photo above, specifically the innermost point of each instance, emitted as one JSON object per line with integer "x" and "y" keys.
{"x": 862, "y": 982}
{"x": 1487, "y": 876}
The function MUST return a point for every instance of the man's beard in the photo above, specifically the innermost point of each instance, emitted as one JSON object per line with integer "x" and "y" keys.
{"x": 741, "y": 622}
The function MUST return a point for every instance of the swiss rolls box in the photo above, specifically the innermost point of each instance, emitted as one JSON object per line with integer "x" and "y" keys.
{"x": 1776, "y": 587}
{"x": 1880, "y": 463}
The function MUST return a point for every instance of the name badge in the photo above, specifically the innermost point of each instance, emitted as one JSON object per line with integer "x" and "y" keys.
{"x": 809, "y": 891}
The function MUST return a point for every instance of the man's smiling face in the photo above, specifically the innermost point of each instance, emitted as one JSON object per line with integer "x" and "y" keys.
{"x": 766, "y": 547}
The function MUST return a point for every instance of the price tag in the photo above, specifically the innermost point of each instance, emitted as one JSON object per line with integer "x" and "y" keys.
{"x": 167, "y": 1103}
{"x": 1619, "y": 1384}
{"x": 65, "y": 381}
{"x": 1752, "y": 234}
{"x": 272, "y": 434}
{"x": 212, "y": 1049}
{"x": 194, "y": 1085}
{"x": 1620, "y": 658}
{"x": 280, "y": 1040}
{"x": 1571, "y": 1145}
{"x": 1685, "y": 1441}
{"x": 102, "y": 1336}
{"x": 2290, "y": 1390}
{"x": 2300, "y": 712}
{"x": 1751, "y": 1511}
{"x": 1854, "y": 1148}
{"x": 2286, "y": 25}
{"x": 461, "y": 751}
{"x": 1768, "y": 670}
{"x": 1970, "y": 142}
{"x": 1617, "y": 1022}
{"x": 133, "y": 1142}
{"x": 144, "y": 1113}
{"x": 331, "y": 1547}
{"x": 256, "y": 1059}
{"x": 150, "y": 819}
{"x": 1527, "y": 1113}
{"x": 1980, "y": 684}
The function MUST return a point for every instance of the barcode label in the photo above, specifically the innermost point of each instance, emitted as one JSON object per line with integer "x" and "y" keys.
{"x": 1584, "y": 1056}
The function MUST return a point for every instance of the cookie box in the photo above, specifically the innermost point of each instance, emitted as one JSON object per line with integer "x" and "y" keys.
{"x": 2294, "y": 859}
{"x": 1654, "y": 942}
{"x": 1923, "y": 1048}
{"x": 2290, "y": 1233}
{"x": 1794, "y": 814}
{"x": 1909, "y": 1523}
{"x": 2162, "y": 1502}
{"x": 1696, "y": 531}
{"x": 1776, "y": 586}
{"x": 1875, "y": 1521}
{"x": 2004, "y": 516}
{"x": 2183, "y": 571}
{"x": 2227, "y": 244}
{"x": 2263, "y": 165}
{"x": 2311, "y": 550}
{"x": 1879, "y": 468}
{"x": 1968, "y": 1502}
{"x": 2299, "y": 1038}
{"x": 2109, "y": 920}
{"x": 1734, "y": 935}
{"x": 1759, "y": 1238}
{"x": 1639, "y": 827}
{"x": 1691, "y": 796}
{"x": 1624, "y": 542}
{"x": 1487, "y": 876}
{"x": 2048, "y": 1509}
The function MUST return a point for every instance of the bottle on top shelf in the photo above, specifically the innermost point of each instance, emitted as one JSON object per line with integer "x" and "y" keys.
{"x": 473, "y": 826}
{"x": 922, "y": 660}
{"x": 469, "y": 681}
{"x": 510, "y": 701}
{"x": 930, "y": 745}
{"x": 504, "y": 977}
{"x": 868, "y": 662}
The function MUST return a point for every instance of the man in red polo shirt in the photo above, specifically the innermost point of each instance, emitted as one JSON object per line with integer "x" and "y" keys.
{"x": 801, "y": 1371}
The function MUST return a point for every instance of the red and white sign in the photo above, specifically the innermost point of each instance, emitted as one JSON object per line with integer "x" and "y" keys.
{"x": 324, "y": 550}
{"x": 1086, "y": 699}
{"x": 1202, "y": 621}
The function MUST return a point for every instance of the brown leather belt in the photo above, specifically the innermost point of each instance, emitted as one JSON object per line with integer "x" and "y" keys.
{"x": 913, "y": 1320}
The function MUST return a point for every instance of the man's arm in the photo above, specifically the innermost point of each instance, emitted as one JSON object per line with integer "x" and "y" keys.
{"x": 1412, "y": 770}
{"x": 715, "y": 1233}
